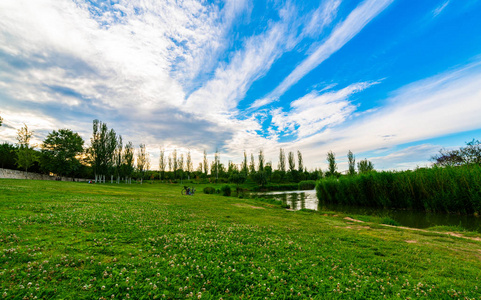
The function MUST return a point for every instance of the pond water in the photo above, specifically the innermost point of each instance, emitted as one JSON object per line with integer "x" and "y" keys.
{"x": 417, "y": 219}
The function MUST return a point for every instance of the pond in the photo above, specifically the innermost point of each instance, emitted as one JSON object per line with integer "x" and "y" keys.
{"x": 417, "y": 219}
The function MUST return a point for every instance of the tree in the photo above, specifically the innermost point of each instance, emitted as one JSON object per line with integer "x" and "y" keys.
{"x": 175, "y": 163}
{"x": 128, "y": 162}
{"x": 244, "y": 168}
{"x": 103, "y": 144}
{"x": 170, "y": 162}
{"x": 188, "y": 165}
{"x": 300, "y": 164}
{"x": 252, "y": 166}
{"x": 162, "y": 164}
{"x": 25, "y": 154}
{"x": 365, "y": 166}
{"x": 118, "y": 158}
{"x": 143, "y": 161}
{"x": 291, "y": 161}
{"x": 216, "y": 165}
{"x": 8, "y": 156}
{"x": 180, "y": 165}
{"x": 352, "y": 163}
{"x": 282, "y": 161}
{"x": 471, "y": 154}
{"x": 331, "y": 160}
{"x": 261, "y": 161}
{"x": 1, "y": 121}
{"x": 206, "y": 164}
{"x": 60, "y": 151}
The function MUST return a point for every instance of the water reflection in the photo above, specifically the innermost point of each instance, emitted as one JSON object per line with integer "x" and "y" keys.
{"x": 308, "y": 200}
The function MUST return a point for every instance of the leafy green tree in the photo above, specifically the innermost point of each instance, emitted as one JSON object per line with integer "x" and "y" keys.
{"x": 175, "y": 163}
{"x": 282, "y": 161}
{"x": 261, "y": 161}
{"x": 291, "y": 161}
{"x": 244, "y": 168}
{"x": 26, "y": 155}
{"x": 365, "y": 166}
{"x": 8, "y": 156}
{"x": 268, "y": 170}
{"x": 216, "y": 164}
{"x": 118, "y": 158}
{"x": 471, "y": 154}
{"x": 128, "y": 162}
{"x": 103, "y": 144}
{"x": 252, "y": 165}
{"x": 143, "y": 162}
{"x": 1, "y": 121}
{"x": 60, "y": 152}
{"x": 188, "y": 165}
{"x": 206, "y": 164}
{"x": 162, "y": 164}
{"x": 300, "y": 164}
{"x": 331, "y": 160}
{"x": 352, "y": 163}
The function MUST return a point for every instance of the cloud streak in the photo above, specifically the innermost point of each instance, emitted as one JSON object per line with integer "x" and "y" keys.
{"x": 342, "y": 34}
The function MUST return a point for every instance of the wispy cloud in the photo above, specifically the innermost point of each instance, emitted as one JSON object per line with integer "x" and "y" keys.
{"x": 433, "y": 107}
{"x": 342, "y": 34}
{"x": 316, "y": 111}
{"x": 440, "y": 8}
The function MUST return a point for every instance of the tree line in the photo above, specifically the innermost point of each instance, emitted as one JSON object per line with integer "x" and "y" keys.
{"x": 62, "y": 153}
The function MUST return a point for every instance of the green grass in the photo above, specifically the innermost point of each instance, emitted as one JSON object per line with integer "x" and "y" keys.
{"x": 61, "y": 240}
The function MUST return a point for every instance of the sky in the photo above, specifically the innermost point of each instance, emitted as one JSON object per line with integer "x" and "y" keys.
{"x": 393, "y": 81}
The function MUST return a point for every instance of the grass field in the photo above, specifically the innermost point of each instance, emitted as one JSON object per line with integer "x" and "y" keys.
{"x": 61, "y": 240}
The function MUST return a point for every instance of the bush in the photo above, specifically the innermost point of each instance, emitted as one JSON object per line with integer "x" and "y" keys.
{"x": 209, "y": 190}
{"x": 307, "y": 185}
{"x": 226, "y": 190}
{"x": 447, "y": 189}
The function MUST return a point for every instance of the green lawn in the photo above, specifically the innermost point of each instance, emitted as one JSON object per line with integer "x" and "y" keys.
{"x": 65, "y": 240}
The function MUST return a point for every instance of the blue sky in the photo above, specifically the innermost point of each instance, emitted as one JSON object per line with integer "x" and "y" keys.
{"x": 393, "y": 81}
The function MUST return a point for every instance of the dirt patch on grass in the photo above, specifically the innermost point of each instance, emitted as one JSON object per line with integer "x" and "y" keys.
{"x": 353, "y": 220}
{"x": 411, "y": 241}
{"x": 247, "y": 206}
{"x": 459, "y": 235}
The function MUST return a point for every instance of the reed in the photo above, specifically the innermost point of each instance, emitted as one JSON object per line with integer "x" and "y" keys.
{"x": 437, "y": 189}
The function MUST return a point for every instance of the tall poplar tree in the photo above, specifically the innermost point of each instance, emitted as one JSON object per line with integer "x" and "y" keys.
{"x": 282, "y": 161}
{"x": 292, "y": 162}
{"x": 128, "y": 162}
{"x": 300, "y": 164}
{"x": 352, "y": 163}
{"x": 331, "y": 161}
{"x": 206, "y": 164}
{"x": 162, "y": 164}
{"x": 143, "y": 161}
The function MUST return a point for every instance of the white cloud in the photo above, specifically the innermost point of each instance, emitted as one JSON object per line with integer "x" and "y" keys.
{"x": 342, "y": 34}
{"x": 441, "y": 105}
{"x": 313, "y": 112}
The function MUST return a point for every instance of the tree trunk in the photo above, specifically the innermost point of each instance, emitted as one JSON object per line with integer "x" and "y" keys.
{"x": 96, "y": 177}
{"x": 111, "y": 179}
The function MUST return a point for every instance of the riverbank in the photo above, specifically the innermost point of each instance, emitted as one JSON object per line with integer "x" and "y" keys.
{"x": 73, "y": 240}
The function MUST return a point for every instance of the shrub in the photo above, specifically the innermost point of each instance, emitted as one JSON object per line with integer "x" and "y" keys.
{"x": 307, "y": 185}
{"x": 447, "y": 189}
{"x": 209, "y": 190}
{"x": 226, "y": 190}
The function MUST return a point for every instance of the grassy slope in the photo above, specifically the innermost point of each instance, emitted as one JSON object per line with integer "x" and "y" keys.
{"x": 80, "y": 241}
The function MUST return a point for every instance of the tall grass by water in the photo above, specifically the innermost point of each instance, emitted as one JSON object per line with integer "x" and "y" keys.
{"x": 448, "y": 189}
